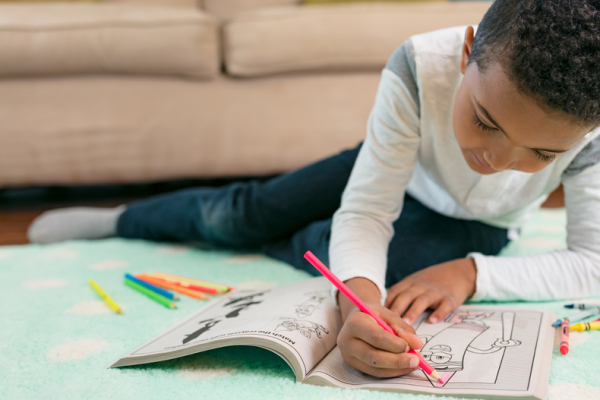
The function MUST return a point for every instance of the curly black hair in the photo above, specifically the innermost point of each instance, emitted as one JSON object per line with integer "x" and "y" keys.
{"x": 550, "y": 49}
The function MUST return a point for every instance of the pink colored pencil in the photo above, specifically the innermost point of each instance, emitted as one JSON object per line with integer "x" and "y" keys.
{"x": 429, "y": 370}
{"x": 564, "y": 337}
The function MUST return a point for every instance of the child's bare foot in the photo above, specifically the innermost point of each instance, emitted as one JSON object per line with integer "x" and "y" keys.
{"x": 74, "y": 223}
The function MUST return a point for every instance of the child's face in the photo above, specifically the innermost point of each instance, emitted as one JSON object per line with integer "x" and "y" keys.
{"x": 498, "y": 128}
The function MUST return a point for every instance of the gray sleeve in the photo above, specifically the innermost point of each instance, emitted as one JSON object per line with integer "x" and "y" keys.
{"x": 402, "y": 63}
{"x": 587, "y": 157}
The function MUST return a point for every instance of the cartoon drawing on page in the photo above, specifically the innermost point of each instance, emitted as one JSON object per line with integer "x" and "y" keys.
{"x": 468, "y": 346}
{"x": 307, "y": 307}
{"x": 306, "y": 328}
{"x": 233, "y": 309}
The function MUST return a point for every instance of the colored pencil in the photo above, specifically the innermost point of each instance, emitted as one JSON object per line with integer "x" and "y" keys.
{"x": 195, "y": 281}
{"x": 582, "y": 306}
{"x": 217, "y": 286}
{"x": 111, "y": 303}
{"x": 578, "y": 316}
{"x": 150, "y": 286}
{"x": 153, "y": 295}
{"x": 188, "y": 292}
{"x": 429, "y": 370}
{"x": 564, "y": 337}
{"x": 587, "y": 326}
{"x": 189, "y": 285}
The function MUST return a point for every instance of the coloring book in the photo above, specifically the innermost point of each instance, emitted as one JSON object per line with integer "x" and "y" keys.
{"x": 480, "y": 351}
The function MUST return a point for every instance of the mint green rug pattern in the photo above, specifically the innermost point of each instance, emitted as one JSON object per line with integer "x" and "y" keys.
{"x": 58, "y": 337}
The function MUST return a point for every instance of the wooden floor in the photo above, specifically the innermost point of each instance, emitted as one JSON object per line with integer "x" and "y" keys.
{"x": 13, "y": 224}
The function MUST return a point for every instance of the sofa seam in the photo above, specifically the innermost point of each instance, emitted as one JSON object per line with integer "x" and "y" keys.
{"x": 270, "y": 18}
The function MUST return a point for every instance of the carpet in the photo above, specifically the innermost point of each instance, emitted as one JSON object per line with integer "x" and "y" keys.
{"x": 58, "y": 337}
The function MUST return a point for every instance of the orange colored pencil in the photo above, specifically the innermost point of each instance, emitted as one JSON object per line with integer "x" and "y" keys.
{"x": 188, "y": 292}
{"x": 218, "y": 286}
{"x": 188, "y": 285}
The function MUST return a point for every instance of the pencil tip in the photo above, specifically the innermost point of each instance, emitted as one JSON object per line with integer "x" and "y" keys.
{"x": 564, "y": 350}
{"x": 436, "y": 376}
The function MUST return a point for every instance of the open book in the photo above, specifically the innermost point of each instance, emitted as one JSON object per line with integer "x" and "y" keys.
{"x": 490, "y": 352}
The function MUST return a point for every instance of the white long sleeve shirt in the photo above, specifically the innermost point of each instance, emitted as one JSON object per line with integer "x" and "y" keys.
{"x": 410, "y": 147}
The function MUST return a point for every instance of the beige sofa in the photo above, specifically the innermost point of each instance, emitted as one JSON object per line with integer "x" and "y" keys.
{"x": 148, "y": 90}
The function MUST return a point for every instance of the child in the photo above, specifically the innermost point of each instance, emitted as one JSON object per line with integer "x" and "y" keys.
{"x": 451, "y": 167}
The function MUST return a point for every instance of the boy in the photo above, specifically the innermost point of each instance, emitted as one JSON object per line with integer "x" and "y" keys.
{"x": 453, "y": 165}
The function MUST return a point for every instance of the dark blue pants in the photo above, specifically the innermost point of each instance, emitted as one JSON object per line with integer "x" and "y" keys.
{"x": 290, "y": 214}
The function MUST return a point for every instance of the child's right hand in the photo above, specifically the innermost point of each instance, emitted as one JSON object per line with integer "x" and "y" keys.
{"x": 369, "y": 348}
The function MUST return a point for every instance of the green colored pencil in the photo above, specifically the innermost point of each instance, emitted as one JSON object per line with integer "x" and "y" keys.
{"x": 153, "y": 295}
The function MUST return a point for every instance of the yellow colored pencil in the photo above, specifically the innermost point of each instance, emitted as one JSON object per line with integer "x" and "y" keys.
{"x": 111, "y": 303}
{"x": 586, "y": 326}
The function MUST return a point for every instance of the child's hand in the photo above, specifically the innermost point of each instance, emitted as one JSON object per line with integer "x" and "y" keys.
{"x": 369, "y": 348}
{"x": 442, "y": 287}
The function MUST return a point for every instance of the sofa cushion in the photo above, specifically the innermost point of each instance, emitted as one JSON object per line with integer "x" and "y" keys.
{"x": 60, "y": 39}
{"x": 225, "y": 9}
{"x": 106, "y": 129}
{"x": 358, "y": 36}
{"x": 166, "y": 3}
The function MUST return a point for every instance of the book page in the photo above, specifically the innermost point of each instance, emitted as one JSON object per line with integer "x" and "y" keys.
{"x": 301, "y": 317}
{"x": 476, "y": 350}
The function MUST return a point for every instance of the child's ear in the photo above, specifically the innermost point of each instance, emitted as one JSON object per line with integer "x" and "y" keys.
{"x": 466, "y": 48}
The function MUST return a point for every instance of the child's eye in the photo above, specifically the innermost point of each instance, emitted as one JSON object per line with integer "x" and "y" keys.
{"x": 480, "y": 123}
{"x": 545, "y": 158}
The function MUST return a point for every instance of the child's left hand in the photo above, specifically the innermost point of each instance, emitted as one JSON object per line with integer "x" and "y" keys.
{"x": 442, "y": 287}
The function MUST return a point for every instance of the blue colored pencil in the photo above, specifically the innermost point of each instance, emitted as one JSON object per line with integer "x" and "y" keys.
{"x": 582, "y": 306}
{"x": 578, "y": 316}
{"x": 155, "y": 289}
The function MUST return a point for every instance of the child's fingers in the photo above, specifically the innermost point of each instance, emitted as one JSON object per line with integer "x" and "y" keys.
{"x": 421, "y": 303}
{"x": 379, "y": 359}
{"x": 447, "y": 305}
{"x": 402, "y": 329}
{"x": 395, "y": 290}
{"x": 404, "y": 299}
{"x": 365, "y": 328}
{"x": 377, "y": 372}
